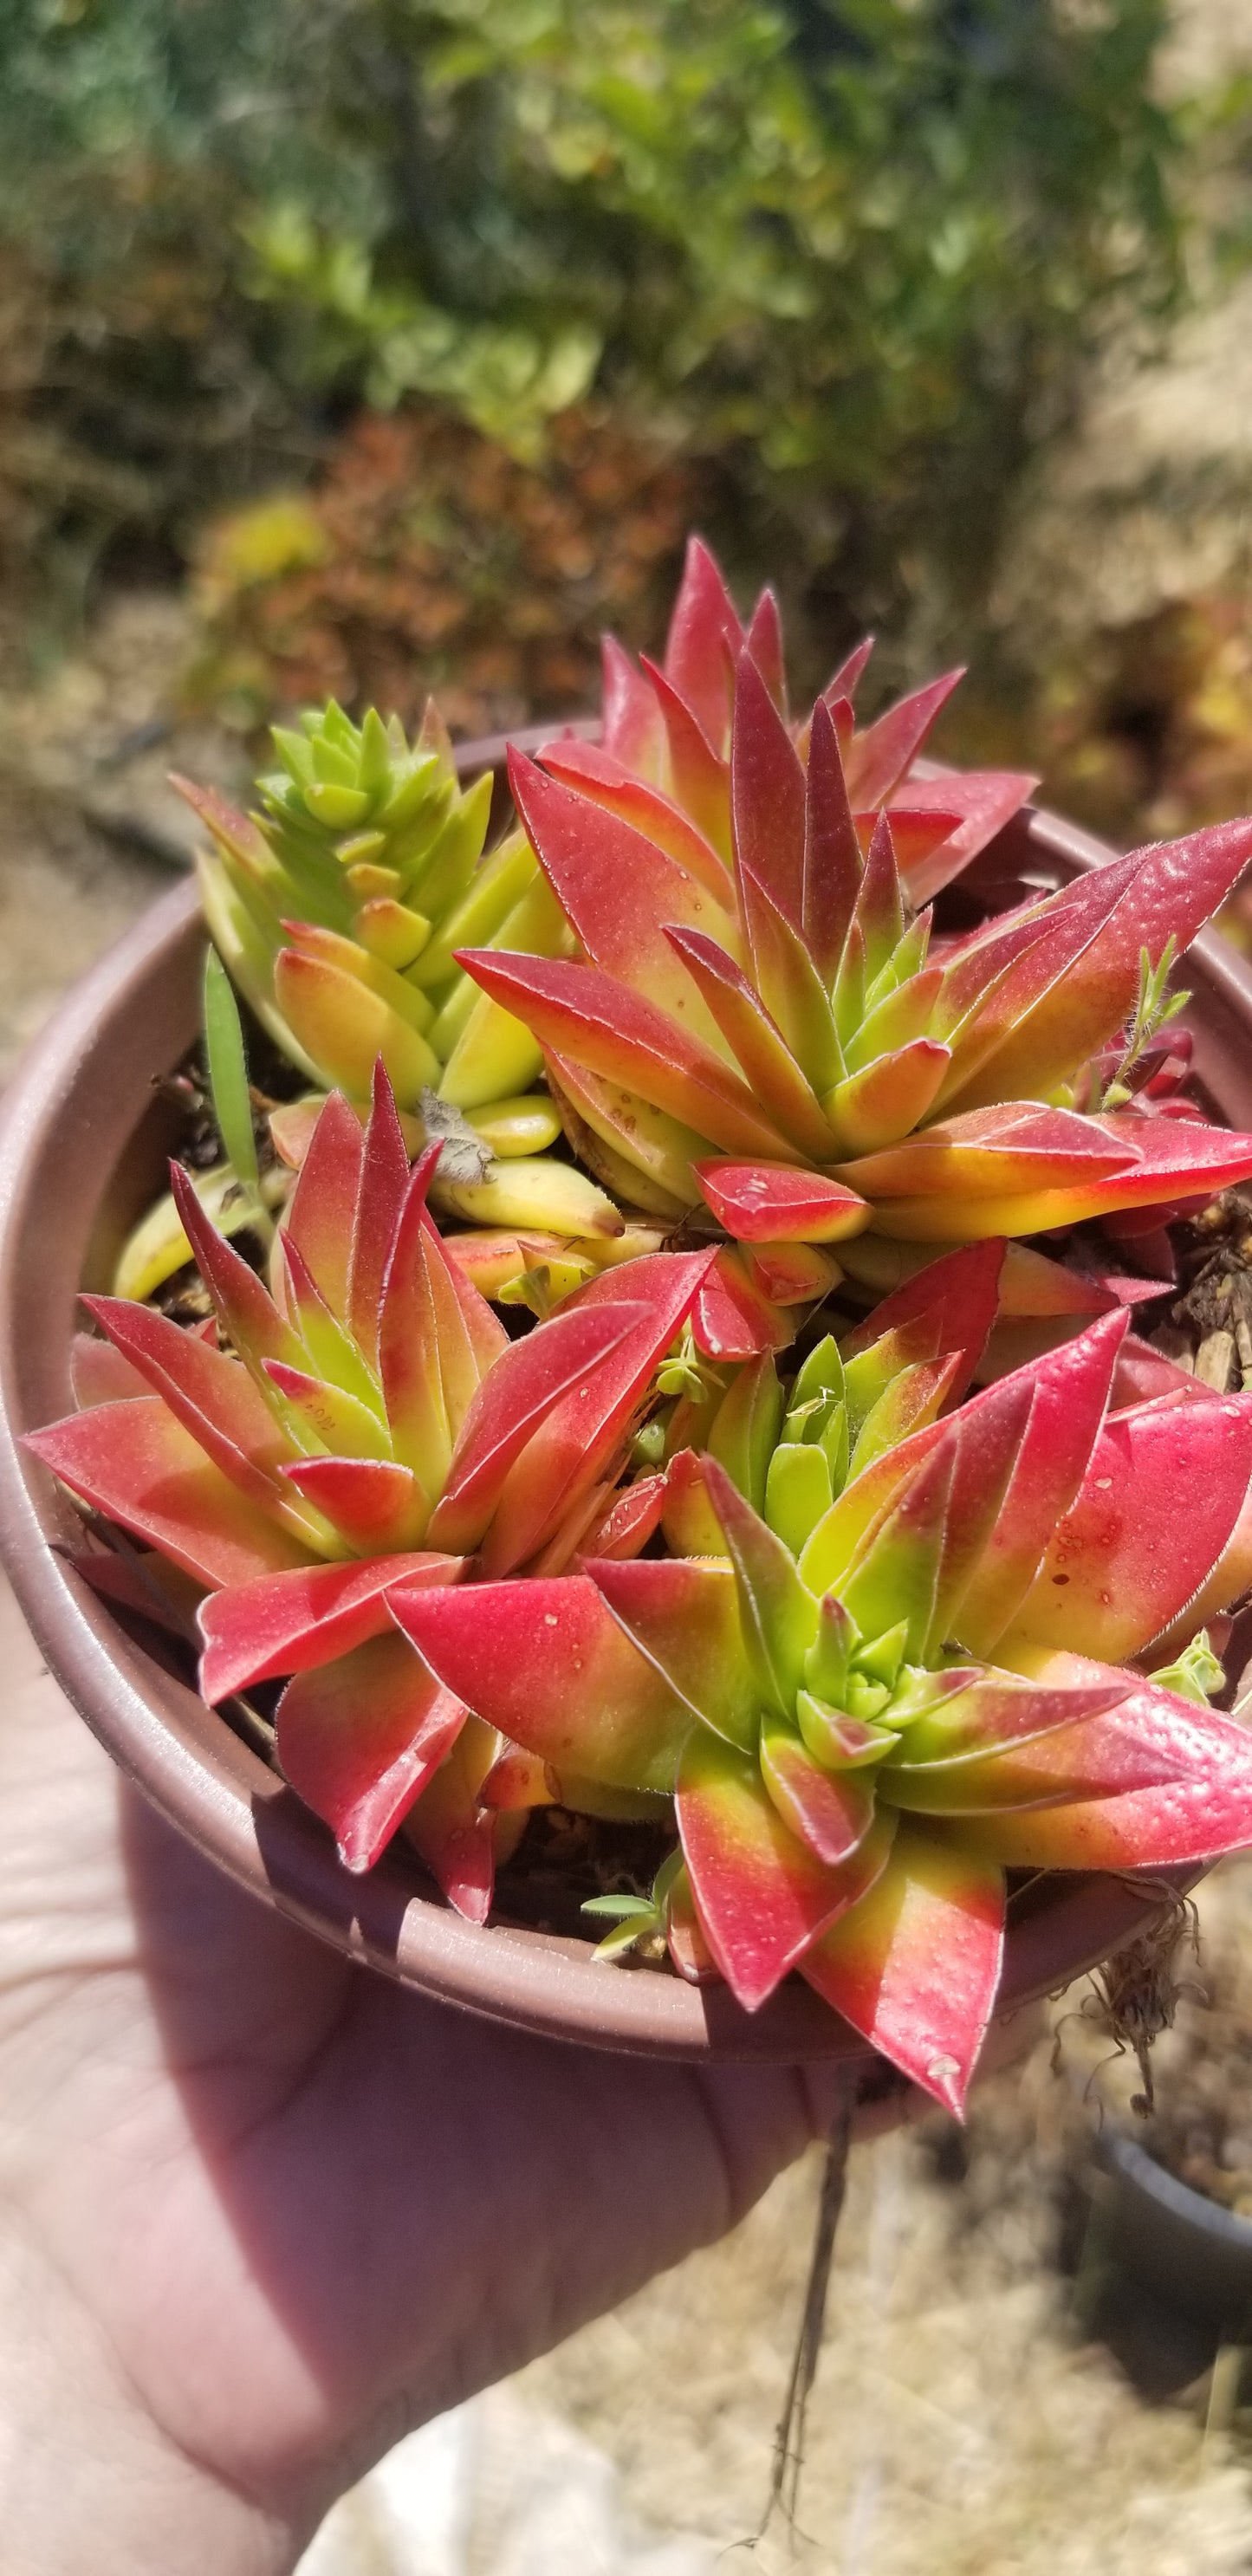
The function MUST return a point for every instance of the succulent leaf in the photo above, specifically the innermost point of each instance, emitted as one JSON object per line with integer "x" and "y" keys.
{"x": 914, "y": 1967}
{"x": 546, "y": 1662}
{"x": 457, "y": 1835}
{"x": 763, "y": 1896}
{"x": 135, "y": 1461}
{"x": 297, "y": 1475}
{"x": 359, "y": 1737}
{"x": 279, "y": 1622}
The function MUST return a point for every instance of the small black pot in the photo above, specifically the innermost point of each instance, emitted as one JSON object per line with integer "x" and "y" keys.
{"x": 1173, "y": 2239}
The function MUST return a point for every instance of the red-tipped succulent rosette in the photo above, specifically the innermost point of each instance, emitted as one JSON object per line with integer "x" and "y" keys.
{"x": 663, "y": 761}
{"x": 759, "y": 1021}
{"x": 866, "y": 1720}
{"x": 369, "y": 1420}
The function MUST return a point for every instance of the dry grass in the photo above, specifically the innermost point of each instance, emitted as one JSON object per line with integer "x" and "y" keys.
{"x": 961, "y": 2425}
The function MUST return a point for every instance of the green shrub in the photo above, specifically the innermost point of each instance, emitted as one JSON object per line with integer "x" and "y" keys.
{"x": 854, "y": 249}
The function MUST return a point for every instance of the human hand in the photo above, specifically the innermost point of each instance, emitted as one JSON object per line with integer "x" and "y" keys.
{"x": 260, "y": 2210}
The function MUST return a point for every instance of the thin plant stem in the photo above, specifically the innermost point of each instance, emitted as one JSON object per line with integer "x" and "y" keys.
{"x": 788, "y": 2463}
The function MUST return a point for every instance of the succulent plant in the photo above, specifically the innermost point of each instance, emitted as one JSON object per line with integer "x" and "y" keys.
{"x": 761, "y": 1025}
{"x": 903, "y": 1671}
{"x": 337, "y": 907}
{"x": 663, "y": 759}
{"x": 889, "y": 1641}
{"x": 369, "y": 1419}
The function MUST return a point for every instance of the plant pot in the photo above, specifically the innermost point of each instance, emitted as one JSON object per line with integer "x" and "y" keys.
{"x": 81, "y": 1155}
{"x": 1177, "y": 2242}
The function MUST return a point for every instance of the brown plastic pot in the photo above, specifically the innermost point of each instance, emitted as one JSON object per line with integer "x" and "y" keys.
{"x": 81, "y": 1155}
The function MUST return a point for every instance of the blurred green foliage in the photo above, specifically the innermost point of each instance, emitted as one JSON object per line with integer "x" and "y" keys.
{"x": 854, "y": 250}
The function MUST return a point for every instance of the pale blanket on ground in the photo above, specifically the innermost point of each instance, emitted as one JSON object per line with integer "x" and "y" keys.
{"x": 494, "y": 2489}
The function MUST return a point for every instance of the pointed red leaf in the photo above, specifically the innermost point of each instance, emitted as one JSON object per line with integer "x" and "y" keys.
{"x": 134, "y": 1462}
{"x": 700, "y": 775}
{"x": 373, "y": 1504}
{"x": 545, "y": 1661}
{"x": 617, "y": 889}
{"x": 763, "y": 1898}
{"x": 1191, "y": 1818}
{"x": 517, "y": 1395}
{"x": 879, "y": 913}
{"x": 1143, "y": 1374}
{"x": 628, "y": 1524}
{"x": 1158, "y": 1503}
{"x": 1101, "y": 1756}
{"x": 452, "y": 1829}
{"x": 587, "y": 765}
{"x": 985, "y": 800}
{"x": 1165, "y": 1159}
{"x": 323, "y": 1208}
{"x": 916, "y": 1965}
{"x": 99, "y": 1374}
{"x": 248, "y": 1314}
{"x": 832, "y": 853}
{"x": 989, "y": 1444}
{"x": 588, "y": 1016}
{"x": 789, "y": 984}
{"x": 212, "y": 1396}
{"x": 633, "y": 731}
{"x": 1012, "y": 1145}
{"x": 286, "y": 1623}
{"x": 844, "y": 682}
{"x": 703, "y": 625}
{"x": 358, "y": 1739}
{"x": 581, "y": 1433}
{"x": 1173, "y": 888}
{"x": 998, "y": 973}
{"x": 731, "y": 1319}
{"x": 237, "y": 834}
{"x": 774, "y": 1203}
{"x": 878, "y": 759}
{"x": 1070, "y": 1390}
{"x": 384, "y": 1180}
{"x": 767, "y": 795}
{"x": 683, "y": 1615}
{"x": 408, "y": 1351}
{"x": 976, "y": 1710}
{"x": 915, "y": 834}
{"x": 950, "y": 1305}
{"x": 468, "y": 1337}
{"x": 764, "y": 640}
{"x": 830, "y": 1812}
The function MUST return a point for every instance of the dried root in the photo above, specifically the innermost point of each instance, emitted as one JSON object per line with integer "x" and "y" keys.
{"x": 1137, "y": 1994}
